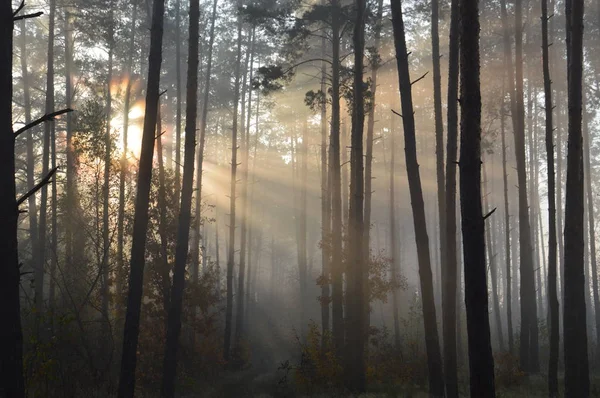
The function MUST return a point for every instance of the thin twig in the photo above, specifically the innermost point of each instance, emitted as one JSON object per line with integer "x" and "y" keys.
{"x": 419, "y": 79}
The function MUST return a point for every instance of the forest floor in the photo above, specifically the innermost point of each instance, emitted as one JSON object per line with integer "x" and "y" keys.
{"x": 251, "y": 384}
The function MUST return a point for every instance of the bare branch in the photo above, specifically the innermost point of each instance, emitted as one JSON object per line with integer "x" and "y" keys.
{"x": 28, "y": 16}
{"x": 419, "y": 79}
{"x": 396, "y": 113}
{"x": 36, "y": 188}
{"x": 18, "y": 10}
{"x": 46, "y": 118}
{"x": 489, "y": 214}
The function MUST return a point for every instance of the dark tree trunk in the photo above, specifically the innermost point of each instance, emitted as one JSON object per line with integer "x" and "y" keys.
{"x": 124, "y": 172}
{"x": 337, "y": 309}
{"x": 507, "y": 253}
{"x": 592, "y": 236}
{"x": 449, "y": 284}
{"x": 577, "y": 381}
{"x": 325, "y": 212}
{"x": 38, "y": 274}
{"x": 395, "y": 263}
{"x": 106, "y": 185}
{"x": 178, "y": 94}
{"x": 552, "y": 246}
{"x": 357, "y": 271}
{"x": 232, "y": 220}
{"x": 434, "y": 358}
{"x": 375, "y": 64}
{"x": 11, "y": 336}
{"x": 183, "y": 228}
{"x": 439, "y": 134}
{"x": 164, "y": 270}
{"x": 481, "y": 361}
{"x": 32, "y": 210}
{"x": 140, "y": 222}
{"x": 529, "y": 357}
{"x": 245, "y": 148}
{"x": 489, "y": 242}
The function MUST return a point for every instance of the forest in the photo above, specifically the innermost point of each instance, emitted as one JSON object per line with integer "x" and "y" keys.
{"x": 299, "y": 198}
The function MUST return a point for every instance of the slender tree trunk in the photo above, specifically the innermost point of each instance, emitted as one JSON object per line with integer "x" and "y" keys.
{"x": 183, "y": 228}
{"x": 489, "y": 240}
{"x": 393, "y": 239}
{"x": 577, "y": 381}
{"x": 325, "y": 212}
{"x": 357, "y": 267}
{"x": 450, "y": 279}
{"x": 507, "y": 253}
{"x": 140, "y": 222}
{"x": 232, "y": 208}
{"x": 481, "y": 361}
{"x": 439, "y": 134}
{"x": 106, "y": 185}
{"x": 72, "y": 239}
{"x": 434, "y": 358}
{"x": 11, "y": 335}
{"x": 178, "y": 94}
{"x": 552, "y": 246}
{"x": 337, "y": 309}
{"x": 590, "y": 202}
{"x": 239, "y": 316}
{"x": 529, "y": 357}
{"x": 197, "y": 221}
{"x": 375, "y": 63}
{"x": 164, "y": 271}
{"x": 39, "y": 270}
{"x": 32, "y": 211}
{"x": 124, "y": 172}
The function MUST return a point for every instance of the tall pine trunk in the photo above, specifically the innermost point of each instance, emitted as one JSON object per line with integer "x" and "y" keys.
{"x": 449, "y": 283}
{"x": 434, "y": 358}
{"x": 577, "y": 381}
{"x": 357, "y": 267}
{"x": 183, "y": 228}
{"x": 481, "y": 361}
{"x": 11, "y": 335}
{"x": 529, "y": 356}
{"x": 337, "y": 309}
{"x": 140, "y": 222}
{"x": 552, "y": 245}
{"x": 232, "y": 197}
{"x": 124, "y": 172}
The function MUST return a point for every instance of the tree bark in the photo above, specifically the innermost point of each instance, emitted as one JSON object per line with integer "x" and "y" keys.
{"x": 178, "y": 94}
{"x": 11, "y": 335}
{"x": 577, "y": 382}
{"x": 337, "y": 309}
{"x": 357, "y": 267}
{"x": 434, "y": 358}
{"x": 449, "y": 285}
{"x": 552, "y": 245}
{"x": 325, "y": 212}
{"x": 481, "y": 361}
{"x": 529, "y": 357}
{"x": 393, "y": 238}
{"x": 232, "y": 200}
{"x": 124, "y": 172}
{"x": 183, "y": 228}
{"x": 140, "y": 222}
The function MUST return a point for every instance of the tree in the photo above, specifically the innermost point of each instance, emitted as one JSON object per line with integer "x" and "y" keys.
{"x": 183, "y": 229}
{"x": 11, "y": 336}
{"x": 140, "y": 222}
{"x": 232, "y": 197}
{"x": 577, "y": 381}
{"x": 356, "y": 336}
{"x": 529, "y": 356}
{"x": 552, "y": 244}
{"x": 481, "y": 362}
{"x": 450, "y": 275}
{"x": 434, "y": 358}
